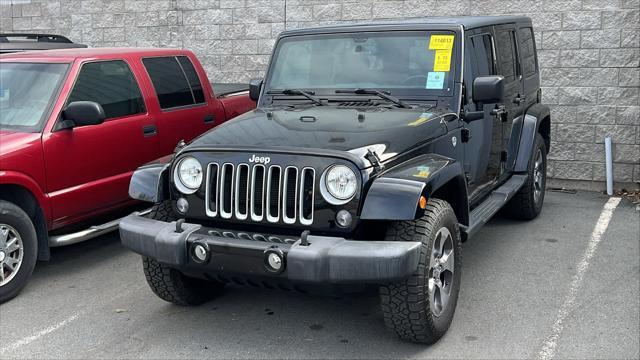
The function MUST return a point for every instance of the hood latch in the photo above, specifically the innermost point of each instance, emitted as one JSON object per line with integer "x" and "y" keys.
{"x": 374, "y": 159}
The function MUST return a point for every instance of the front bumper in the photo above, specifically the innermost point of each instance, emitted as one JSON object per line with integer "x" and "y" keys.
{"x": 328, "y": 260}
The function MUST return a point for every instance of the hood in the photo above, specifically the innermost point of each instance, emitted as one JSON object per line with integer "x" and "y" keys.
{"x": 11, "y": 141}
{"x": 387, "y": 131}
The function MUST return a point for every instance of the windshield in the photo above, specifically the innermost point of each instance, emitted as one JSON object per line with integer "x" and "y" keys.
{"x": 26, "y": 92}
{"x": 415, "y": 62}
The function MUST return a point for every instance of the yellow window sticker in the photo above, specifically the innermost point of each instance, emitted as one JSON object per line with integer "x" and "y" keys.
{"x": 441, "y": 42}
{"x": 442, "y": 61}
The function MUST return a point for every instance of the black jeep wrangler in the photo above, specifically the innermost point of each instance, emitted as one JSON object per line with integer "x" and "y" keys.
{"x": 375, "y": 151}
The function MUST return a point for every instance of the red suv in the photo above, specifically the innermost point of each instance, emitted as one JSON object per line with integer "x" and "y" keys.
{"x": 74, "y": 125}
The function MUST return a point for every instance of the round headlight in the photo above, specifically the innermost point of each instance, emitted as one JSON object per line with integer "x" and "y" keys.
{"x": 189, "y": 175}
{"x": 341, "y": 183}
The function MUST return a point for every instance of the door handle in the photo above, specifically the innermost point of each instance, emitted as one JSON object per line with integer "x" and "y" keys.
{"x": 149, "y": 130}
{"x": 209, "y": 119}
{"x": 519, "y": 99}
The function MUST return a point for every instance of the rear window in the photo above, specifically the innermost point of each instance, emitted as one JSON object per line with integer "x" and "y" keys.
{"x": 527, "y": 51}
{"x": 175, "y": 81}
{"x": 507, "y": 55}
{"x": 112, "y": 85}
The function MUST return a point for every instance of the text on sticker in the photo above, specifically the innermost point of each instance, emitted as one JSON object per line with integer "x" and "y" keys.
{"x": 441, "y": 42}
{"x": 442, "y": 61}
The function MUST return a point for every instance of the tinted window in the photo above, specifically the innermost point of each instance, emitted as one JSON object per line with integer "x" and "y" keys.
{"x": 169, "y": 76}
{"x": 110, "y": 84}
{"x": 483, "y": 63}
{"x": 527, "y": 51}
{"x": 192, "y": 77}
{"x": 506, "y": 50}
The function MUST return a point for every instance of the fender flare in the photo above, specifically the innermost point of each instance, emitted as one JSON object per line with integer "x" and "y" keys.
{"x": 149, "y": 182}
{"x": 395, "y": 194}
{"x": 530, "y": 127}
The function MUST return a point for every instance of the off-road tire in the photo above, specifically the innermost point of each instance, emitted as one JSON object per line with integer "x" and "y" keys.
{"x": 163, "y": 212}
{"x": 170, "y": 284}
{"x": 173, "y": 286}
{"x": 523, "y": 205}
{"x": 406, "y": 304}
{"x": 14, "y": 216}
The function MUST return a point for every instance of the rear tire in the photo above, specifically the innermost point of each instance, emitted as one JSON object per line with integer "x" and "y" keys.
{"x": 18, "y": 250}
{"x": 420, "y": 308}
{"x": 527, "y": 203}
{"x": 170, "y": 284}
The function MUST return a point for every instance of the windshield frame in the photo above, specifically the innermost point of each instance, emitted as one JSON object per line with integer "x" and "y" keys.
{"x": 401, "y": 93}
{"x": 52, "y": 101}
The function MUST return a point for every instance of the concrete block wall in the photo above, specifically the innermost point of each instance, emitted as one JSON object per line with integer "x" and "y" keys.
{"x": 589, "y": 52}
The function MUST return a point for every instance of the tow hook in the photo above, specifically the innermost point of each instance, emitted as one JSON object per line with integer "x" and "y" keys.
{"x": 179, "y": 228}
{"x": 303, "y": 238}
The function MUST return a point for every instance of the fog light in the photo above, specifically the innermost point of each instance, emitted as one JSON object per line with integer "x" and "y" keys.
{"x": 200, "y": 252}
{"x": 344, "y": 218}
{"x": 274, "y": 260}
{"x": 182, "y": 205}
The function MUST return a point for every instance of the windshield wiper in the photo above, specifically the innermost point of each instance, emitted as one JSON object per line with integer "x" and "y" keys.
{"x": 382, "y": 94}
{"x": 308, "y": 95}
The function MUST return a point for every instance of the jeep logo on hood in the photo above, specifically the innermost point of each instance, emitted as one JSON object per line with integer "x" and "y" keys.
{"x": 260, "y": 159}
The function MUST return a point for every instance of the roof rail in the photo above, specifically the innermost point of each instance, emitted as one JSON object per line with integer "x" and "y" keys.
{"x": 37, "y": 37}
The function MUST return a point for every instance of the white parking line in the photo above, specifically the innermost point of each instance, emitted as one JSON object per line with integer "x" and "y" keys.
{"x": 550, "y": 344}
{"x": 39, "y": 334}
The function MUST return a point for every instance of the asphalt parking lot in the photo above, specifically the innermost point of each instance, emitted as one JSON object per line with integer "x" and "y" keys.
{"x": 528, "y": 287}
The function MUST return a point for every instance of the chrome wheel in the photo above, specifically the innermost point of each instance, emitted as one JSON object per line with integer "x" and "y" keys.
{"x": 11, "y": 253}
{"x": 441, "y": 267}
{"x": 538, "y": 176}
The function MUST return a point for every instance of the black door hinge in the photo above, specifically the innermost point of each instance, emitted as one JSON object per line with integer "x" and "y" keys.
{"x": 501, "y": 112}
{"x": 465, "y": 135}
{"x": 503, "y": 156}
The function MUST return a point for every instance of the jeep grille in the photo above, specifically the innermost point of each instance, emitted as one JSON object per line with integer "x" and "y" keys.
{"x": 259, "y": 193}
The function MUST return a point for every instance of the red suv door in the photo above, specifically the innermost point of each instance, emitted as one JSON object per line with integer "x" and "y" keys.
{"x": 88, "y": 168}
{"x": 185, "y": 108}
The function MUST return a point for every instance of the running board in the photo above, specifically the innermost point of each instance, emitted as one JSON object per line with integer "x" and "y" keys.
{"x": 490, "y": 206}
{"x": 86, "y": 234}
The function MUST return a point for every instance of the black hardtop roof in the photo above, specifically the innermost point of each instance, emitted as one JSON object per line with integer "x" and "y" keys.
{"x": 467, "y": 22}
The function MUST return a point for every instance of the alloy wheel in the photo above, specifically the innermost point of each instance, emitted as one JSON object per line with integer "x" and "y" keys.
{"x": 441, "y": 268}
{"x": 11, "y": 253}
{"x": 538, "y": 176}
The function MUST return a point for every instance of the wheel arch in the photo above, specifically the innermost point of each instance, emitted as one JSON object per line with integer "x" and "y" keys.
{"x": 27, "y": 201}
{"x": 395, "y": 194}
{"x": 537, "y": 120}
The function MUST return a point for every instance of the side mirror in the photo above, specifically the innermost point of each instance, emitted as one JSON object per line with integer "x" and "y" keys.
{"x": 255, "y": 85}
{"x": 81, "y": 113}
{"x": 488, "y": 89}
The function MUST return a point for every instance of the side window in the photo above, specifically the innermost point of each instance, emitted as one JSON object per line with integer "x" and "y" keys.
{"x": 506, "y": 49}
{"x": 192, "y": 77}
{"x": 527, "y": 51}
{"x": 112, "y": 85}
{"x": 175, "y": 81}
{"x": 483, "y": 53}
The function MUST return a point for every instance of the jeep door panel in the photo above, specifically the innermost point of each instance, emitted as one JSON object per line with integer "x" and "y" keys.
{"x": 509, "y": 66}
{"x": 88, "y": 168}
{"x": 482, "y": 151}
